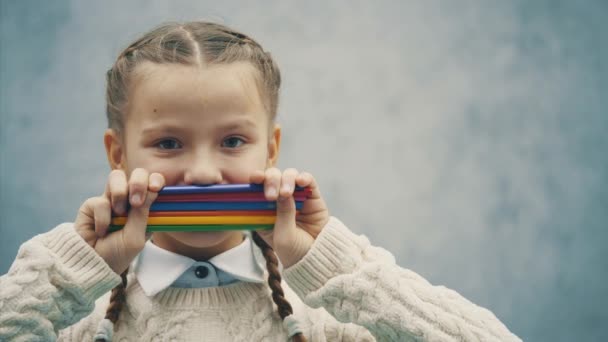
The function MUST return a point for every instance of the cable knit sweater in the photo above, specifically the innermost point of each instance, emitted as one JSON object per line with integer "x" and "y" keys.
{"x": 344, "y": 289}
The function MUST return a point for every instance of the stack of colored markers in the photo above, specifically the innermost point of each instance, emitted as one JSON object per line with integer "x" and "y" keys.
{"x": 212, "y": 208}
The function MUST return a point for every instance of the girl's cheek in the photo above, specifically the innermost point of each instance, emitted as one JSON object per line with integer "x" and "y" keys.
{"x": 172, "y": 177}
{"x": 239, "y": 173}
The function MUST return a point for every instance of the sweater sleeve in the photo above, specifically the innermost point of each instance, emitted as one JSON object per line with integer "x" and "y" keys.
{"x": 361, "y": 284}
{"x": 52, "y": 284}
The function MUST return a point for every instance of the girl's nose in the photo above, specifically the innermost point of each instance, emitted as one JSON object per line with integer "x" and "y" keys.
{"x": 203, "y": 171}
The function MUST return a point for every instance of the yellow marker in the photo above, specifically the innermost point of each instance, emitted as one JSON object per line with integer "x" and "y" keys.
{"x": 192, "y": 220}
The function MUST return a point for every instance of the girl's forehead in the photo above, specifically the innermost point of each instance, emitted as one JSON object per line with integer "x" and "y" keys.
{"x": 175, "y": 90}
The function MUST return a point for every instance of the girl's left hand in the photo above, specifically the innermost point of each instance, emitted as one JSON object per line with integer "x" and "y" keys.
{"x": 292, "y": 235}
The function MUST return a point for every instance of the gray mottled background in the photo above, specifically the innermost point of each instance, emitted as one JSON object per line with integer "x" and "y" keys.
{"x": 469, "y": 138}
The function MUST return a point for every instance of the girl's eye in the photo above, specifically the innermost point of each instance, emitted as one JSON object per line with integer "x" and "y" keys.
{"x": 168, "y": 144}
{"x": 232, "y": 142}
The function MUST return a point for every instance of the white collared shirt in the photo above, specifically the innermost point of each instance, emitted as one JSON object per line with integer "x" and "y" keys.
{"x": 157, "y": 269}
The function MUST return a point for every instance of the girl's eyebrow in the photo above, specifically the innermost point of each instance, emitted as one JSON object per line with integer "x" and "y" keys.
{"x": 161, "y": 129}
{"x": 243, "y": 123}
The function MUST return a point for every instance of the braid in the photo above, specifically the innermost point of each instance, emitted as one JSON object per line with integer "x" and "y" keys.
{"x": 117, "y": 299}
{"x": 274, "y": 281}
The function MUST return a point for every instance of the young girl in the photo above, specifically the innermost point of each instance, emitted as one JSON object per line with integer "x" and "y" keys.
{"x": 195, "y": 103}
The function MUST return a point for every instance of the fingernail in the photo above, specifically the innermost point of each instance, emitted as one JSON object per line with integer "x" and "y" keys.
{"x": 272, "y": 192}
{"x": 155, "y": 182}
{"x": 136, "y": 199}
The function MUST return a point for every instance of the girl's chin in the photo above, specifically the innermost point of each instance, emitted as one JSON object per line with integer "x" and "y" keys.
{"x": 204, "y": 239}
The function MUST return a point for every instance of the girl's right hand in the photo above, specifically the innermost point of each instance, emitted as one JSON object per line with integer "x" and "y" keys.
{"x": 119, "y": 248}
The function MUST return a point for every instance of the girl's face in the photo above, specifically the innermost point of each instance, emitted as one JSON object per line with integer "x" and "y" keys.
{"x": 195, "y": 126}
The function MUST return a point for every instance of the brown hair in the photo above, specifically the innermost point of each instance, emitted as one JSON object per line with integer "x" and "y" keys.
{"x": 197, "y": 44}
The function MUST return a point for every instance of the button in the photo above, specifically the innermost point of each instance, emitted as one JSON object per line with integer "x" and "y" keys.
{"x": 201, "y": 272}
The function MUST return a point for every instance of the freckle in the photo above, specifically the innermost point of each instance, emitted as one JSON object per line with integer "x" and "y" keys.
{"x": 154, "y": 110}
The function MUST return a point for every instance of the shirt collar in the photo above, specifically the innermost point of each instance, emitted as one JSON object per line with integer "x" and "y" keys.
{"x": 156, "y": 268}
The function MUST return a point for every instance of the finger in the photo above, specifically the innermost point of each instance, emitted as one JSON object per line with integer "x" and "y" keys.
{"x": 257, "y": 177}
{"x": 286, "y": 210}
{"x": 285, "y": 222}
{"x": 315, "y": 204}
{"x": 100, "y": 207}
{"x": 135, "y": 228}
{"x": 288, "y": 182}
{"x": 272, "y": 183}
{"x": 138, "y": 187}
{"x": 117, "y": 189}
{"x": 305, "y": 179}
{"x": 156, "y": 182}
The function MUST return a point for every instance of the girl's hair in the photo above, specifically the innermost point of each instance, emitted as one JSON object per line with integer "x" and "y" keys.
{"x": 196, "y": 44}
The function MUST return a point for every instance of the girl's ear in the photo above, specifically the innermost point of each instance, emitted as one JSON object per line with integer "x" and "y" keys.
{"x": 273, "y": 145}
{"x": 114, "y": 149}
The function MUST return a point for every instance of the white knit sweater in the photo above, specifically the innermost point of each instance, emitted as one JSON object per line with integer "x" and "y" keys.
{"x": 344, "y": 289}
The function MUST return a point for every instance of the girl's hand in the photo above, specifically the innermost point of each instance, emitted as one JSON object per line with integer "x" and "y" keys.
{"x": 119, "y": 248}
{"x": 292, "y": 235}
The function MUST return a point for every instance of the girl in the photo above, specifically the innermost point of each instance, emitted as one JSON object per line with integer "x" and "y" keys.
{"x": 195, "y": 103}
